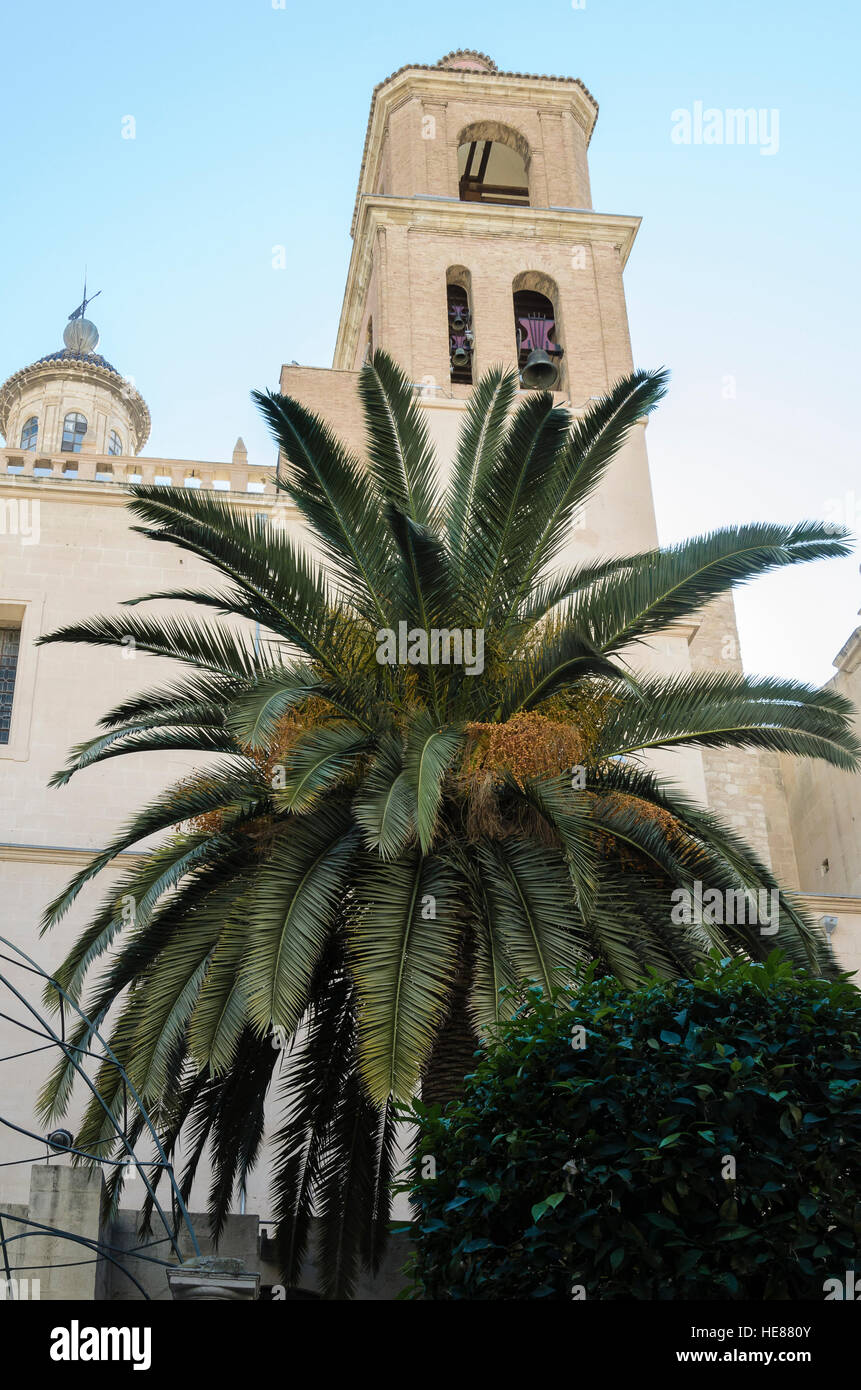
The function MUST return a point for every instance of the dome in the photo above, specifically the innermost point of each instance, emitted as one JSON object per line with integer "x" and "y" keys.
{"x": 74, "y": 400}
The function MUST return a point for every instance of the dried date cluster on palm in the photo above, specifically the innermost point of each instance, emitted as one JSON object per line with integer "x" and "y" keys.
{"x": 527, "y": 745}
{"x": 311, "y": 714}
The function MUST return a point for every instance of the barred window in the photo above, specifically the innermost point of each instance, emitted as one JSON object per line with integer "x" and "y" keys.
{"x": 10, "y": 640}
{"x": 115, "y": 444}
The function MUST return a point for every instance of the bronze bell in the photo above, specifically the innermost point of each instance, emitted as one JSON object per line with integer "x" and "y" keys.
{"x": 458, "y": 323}
{"x": 539, "y": 372}
{"x": 460, "y": 357}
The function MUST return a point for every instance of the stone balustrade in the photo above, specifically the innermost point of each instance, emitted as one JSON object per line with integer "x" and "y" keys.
{"x": 120, "y": 470}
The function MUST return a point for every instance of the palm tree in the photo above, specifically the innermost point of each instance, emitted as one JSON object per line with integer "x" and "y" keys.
{"x": 373, "y": 849}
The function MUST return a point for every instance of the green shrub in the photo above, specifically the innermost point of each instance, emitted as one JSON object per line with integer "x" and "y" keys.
{"x": 604, "y": 1171}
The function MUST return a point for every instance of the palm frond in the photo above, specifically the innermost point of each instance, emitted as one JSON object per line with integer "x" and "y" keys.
{"x": 216, "y": 649}
{"x": 220, "y": 1014}
{"x": 593, "y": 443}
{"x": 568, "y": 812}
{"x": 238, "y": 1125}
{"x": 400, "y": 454}
{"x": 672, "y": 584}
{"x": 704, "y": 847}
{"x": 131, "y": 902}
{"x": 315, "y": 761}
{"x": 166, "y": 995}
{"x": 403, "y": 953}
{"x": 351, "y": 1187}
{"x": 558, "y": 663}
{"x": 428, "y": 755}
{"x": 427, "y": 588}
{"x": 293, "y": 911}
{"x": 202, "y": 690}
{"x": 385, "y": 804}
{"x": 258, "y": 709}
{"x": 333, "y": 493}
{"x": 480, "y": 439}
{"x": 194, "y": 738}
{"x": 528, "y": 890}
{"x": 723, "y": 710}
{"x": 275, "y": 584}
{"x": 313, "y": 1080}
{"x": 504, "y": 533}
{"x": 276, "y": 581}
{"x": 225, "y": 786}
{"x": 547, "y": 594}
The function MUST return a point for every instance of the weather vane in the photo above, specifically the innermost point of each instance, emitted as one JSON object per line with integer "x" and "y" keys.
{"x": 82, "y": 307}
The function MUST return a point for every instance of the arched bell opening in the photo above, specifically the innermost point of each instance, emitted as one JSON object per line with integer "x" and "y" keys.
{"x": 539, "y": 354}
{"x": 493, "y": 165}
{"x": 461, "y": 335}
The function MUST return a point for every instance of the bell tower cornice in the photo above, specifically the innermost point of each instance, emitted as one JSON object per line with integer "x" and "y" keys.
{"x": 463, "y": 222}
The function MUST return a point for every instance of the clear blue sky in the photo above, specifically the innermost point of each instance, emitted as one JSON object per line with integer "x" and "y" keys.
{"x": 249, "y": 129}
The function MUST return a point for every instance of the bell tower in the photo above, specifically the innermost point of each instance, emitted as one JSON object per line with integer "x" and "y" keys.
{"x": 474, "y": 195}
{"x": 475, "y": 243}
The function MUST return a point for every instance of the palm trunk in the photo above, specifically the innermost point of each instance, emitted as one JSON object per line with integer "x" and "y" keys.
{"x": 452, "y": 1055}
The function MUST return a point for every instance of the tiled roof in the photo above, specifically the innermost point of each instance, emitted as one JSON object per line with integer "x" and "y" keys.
{"x": 66, "y": 355}
{"x": 466, "y": 53}
{"x": 492, "y": 71}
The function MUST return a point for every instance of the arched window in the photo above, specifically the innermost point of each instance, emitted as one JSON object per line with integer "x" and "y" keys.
{"x": 29, "y": 433}
{"x": 115, "y": 444}
{"x": 74, "y": 429}
{"x": 539, "y": 355}
{"x": 492, "y": 165}
{"x": 461, "y": 338}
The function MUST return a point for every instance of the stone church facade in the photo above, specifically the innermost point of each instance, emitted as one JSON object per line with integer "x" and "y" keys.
{"x": 473, "y": 209}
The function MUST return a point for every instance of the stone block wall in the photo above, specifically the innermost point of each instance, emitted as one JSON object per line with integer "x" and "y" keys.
{"x": 745, "y": 786}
